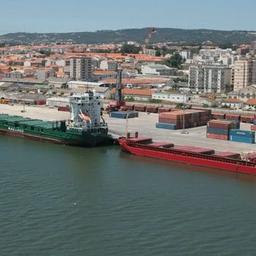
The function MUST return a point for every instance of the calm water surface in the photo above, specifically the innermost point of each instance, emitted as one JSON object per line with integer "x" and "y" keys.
{"x": 62, "y": 201}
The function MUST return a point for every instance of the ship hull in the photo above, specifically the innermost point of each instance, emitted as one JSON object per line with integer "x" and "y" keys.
{"x": 86, "y": 140}
{"x": 187, "y": 158}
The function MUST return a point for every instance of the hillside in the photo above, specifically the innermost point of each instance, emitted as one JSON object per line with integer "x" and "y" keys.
{"x": 193, "y": 36}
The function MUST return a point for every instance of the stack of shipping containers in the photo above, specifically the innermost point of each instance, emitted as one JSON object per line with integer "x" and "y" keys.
{"x": 220, "y": 129}
{"x": 183, "y": 119}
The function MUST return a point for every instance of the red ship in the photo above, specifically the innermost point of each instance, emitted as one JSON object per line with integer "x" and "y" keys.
{"x": 145, "y": 147}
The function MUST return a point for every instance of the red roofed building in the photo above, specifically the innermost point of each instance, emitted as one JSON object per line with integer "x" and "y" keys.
{"x": 136, "y": 94}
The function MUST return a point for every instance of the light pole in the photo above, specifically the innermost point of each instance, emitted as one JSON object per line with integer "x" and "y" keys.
{"x": 184, "y": 131}
{"x": 126, "y": 125}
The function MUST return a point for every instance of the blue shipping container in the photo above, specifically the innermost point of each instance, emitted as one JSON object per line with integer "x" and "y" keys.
{"x": 243, "y": 133}
{"x": 217, "y": 131}
{"x": 124, "y": 114}
{"x": 242, "y": 139}
{"x": 166, "y": 126}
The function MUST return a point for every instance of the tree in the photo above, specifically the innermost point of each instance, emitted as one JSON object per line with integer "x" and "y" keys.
{"x": 175, "y": 61}
{"x": 158, "y": 53}
{"x": 130, "y": 48}
{"x": 45, "y": 52}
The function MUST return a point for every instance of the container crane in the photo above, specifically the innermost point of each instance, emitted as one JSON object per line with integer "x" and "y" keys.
{"x": 119, "y": 101}
{"x": 151, "y": 32}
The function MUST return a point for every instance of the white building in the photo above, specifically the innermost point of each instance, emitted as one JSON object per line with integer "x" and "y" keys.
{"x": 210, "y": 78}
{"x": 214, "y": 56}
{"x": 81, "y": 69}
{"x": 158, "y": 70}
{"x": 108, "y": 65}
{"x": 83, "y": 85}
{"x": 172, "y": 97}
{"x": 57, "y": 102}
{"x": 185, "y": 54}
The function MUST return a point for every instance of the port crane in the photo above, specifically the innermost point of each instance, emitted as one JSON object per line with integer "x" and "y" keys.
{"x": 119, "y": 100}
{"x": 151, "y": 32}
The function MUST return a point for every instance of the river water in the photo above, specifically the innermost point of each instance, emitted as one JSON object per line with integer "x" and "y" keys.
{"x": 62, "y": 201}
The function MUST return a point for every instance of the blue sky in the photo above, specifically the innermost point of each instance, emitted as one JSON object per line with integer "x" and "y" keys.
{"x": 89, "y": 15}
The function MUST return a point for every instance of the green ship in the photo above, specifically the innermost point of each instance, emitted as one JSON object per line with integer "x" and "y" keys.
{"x": 86, "y": 127}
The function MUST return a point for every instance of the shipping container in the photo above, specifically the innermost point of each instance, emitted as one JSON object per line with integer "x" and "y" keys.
{"x": 124, "y": 114}
{"x": 186, "y": 119}
{"x": 253, "y": 127}
{"x": 166, "y": 126}
{"x": 218, "y": 115}
{"x": 40, "y": 102}
{"x": 64, "y": 109}
{"x": 152, "y": 109}
{"x": 247, "y": 118}
{"x": 129, "y": 106}
{"x": 233, "y": 117}
{"x": 242, "y": 133}
{"x": 161, "y": 110}
{"x": 217, "y": 136}
{"x": 242, "y": 139}
{"x": 140, "y": 108}
{"x": 217, "y": 131}
{"x": 223, "y": 124}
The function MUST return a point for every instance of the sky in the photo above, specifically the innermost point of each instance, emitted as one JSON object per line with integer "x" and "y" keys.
{"x": 91, "y": 15}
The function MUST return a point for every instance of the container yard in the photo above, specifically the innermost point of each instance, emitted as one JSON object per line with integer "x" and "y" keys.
{"x": 145, "y": 125}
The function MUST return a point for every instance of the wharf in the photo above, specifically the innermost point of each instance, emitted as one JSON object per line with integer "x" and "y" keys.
{"x": 145, "y": 125}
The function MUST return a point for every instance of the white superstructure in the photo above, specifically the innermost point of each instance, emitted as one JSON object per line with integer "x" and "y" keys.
{"x": 86, "y": 111}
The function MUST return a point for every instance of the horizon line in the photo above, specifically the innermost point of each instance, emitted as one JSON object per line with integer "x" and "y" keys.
{"x": 132, "y": 28}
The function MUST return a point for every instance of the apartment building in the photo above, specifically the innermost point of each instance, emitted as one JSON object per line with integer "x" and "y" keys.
{"x": 81, "y": 69}
{"x": 210, "y": 78}
{"x": 244, "y": 73}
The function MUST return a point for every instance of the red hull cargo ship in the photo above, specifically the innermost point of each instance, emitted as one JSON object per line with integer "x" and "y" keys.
{"x": 145, "y": 147}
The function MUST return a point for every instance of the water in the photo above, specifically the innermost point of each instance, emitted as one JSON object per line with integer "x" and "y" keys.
{"x": 61, "y": 201}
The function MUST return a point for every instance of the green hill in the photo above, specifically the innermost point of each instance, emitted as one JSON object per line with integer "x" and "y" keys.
{"x": 192, "y": 36}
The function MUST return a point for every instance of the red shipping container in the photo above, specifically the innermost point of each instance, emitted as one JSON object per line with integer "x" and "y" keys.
{"x": 221, "y": 124}
{"x": 129, "y": 106}
{"x": 152, "y": 109}
{"x": 218, "y": 115}
{"x": 161, "y": 110}
{"x": 140, "y": 108}
{"x": 247, "y": 118}
{"x": 217, "y": 136}
{"x": 64, "y": 109}
{"x": 253, "y": 127}
{"x": 232, "y": 116}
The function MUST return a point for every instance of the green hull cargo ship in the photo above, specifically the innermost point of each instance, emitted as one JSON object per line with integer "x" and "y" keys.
{"x": 86, "y": 127}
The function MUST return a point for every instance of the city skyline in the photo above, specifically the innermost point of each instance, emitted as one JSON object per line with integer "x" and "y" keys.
{"x": 75, "y": 16}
